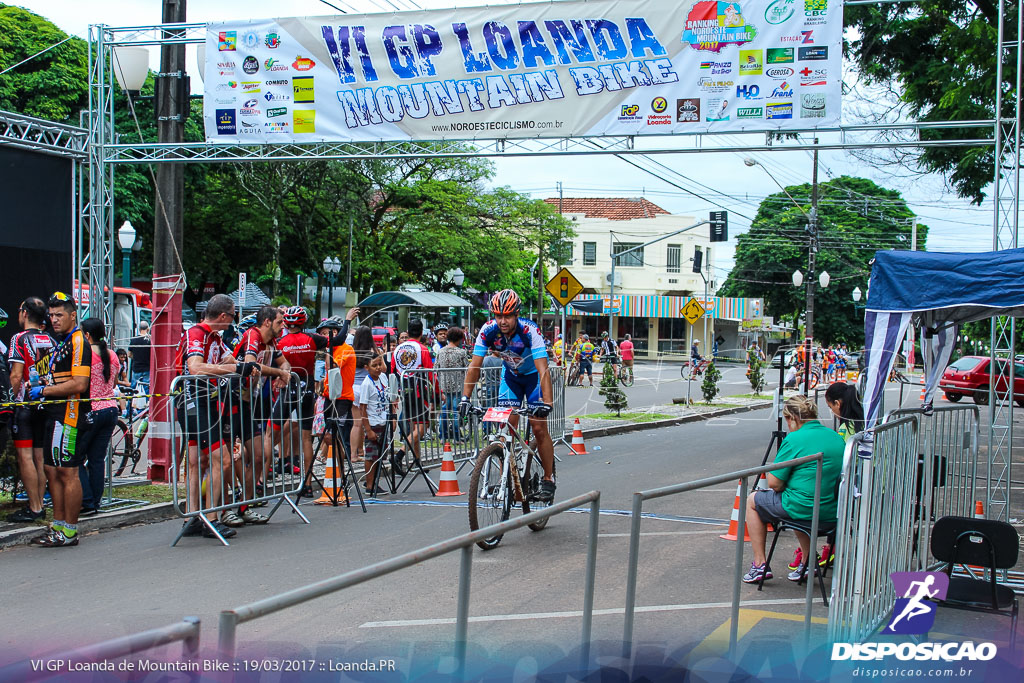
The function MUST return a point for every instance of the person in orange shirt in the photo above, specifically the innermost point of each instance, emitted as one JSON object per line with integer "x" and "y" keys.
{"x": 340, "y": 408}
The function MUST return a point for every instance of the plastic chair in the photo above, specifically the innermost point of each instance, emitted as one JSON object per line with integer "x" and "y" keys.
{"x": 986, "y": 543}
{"x": 804, "y": 526}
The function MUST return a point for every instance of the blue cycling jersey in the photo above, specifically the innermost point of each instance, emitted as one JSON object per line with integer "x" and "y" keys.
{"x": 519, "y": 352}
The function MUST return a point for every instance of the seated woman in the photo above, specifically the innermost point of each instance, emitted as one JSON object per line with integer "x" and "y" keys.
{"x": 791, "y": 494}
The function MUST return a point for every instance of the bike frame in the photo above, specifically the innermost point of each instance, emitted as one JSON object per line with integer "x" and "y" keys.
{"x": 508, "y": 436}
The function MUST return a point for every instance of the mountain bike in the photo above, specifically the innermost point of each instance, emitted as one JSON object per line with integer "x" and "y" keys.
{"x": 626, "y": 376}
{"x": 507, "y": 472}
{"x": 129, "y": 433}
{"x": 690, "y": 371}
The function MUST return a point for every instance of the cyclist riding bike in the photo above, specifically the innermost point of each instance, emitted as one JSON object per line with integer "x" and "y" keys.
{"x": 610, "y": 352}
{"x": 524, "y": 374}
{"x": 695, "y": 357}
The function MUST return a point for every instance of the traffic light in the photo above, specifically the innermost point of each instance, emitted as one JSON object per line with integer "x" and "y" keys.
{"x": 698, "y": 260}
{"x": 563, "y": 287}
{"x": 719, "y": 226}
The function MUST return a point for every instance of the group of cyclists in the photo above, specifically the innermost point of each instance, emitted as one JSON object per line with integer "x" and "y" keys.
{"x": 583, "y": 353}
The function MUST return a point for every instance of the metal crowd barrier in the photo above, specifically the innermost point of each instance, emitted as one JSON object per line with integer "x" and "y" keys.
{"x": 742, "y": 475}
{"x": 186, "y": 632}
{"x": 947, "y": 469}
{"x": 875, "y": 535}
{"x": 230, "y": 443}
{"x": 230, "y": 619}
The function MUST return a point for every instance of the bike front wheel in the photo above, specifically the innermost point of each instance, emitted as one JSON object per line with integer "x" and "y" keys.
{"x": 120, "y": 447}
{"x": 490, "y": 498}
{"x": 686, "y": 371}
{"x": 626, "y": 377}
{"x": 533, "y": 474}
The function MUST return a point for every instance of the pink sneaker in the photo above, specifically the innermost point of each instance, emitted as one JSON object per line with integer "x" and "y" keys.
{"x": 798, "y": 559}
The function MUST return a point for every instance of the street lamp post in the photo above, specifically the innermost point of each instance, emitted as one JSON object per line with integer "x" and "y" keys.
{"x": 458, "y": 277}
{"x": 126, "y": 238}
{"x": 332, "y": 266}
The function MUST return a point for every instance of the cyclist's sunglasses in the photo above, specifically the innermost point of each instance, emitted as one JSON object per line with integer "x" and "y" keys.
{"x": 58, "y": 298}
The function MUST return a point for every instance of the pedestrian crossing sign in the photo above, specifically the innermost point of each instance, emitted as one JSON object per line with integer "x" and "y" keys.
{"x": 564, "y": 287}
{"x": 692, "y": 311}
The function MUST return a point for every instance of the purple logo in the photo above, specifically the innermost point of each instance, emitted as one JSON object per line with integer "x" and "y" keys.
{"x": 916, "y": 592}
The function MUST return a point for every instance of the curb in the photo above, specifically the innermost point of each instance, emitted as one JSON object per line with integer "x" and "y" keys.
{"x": 155, "y": 512}
{"x": 671, "y": 422}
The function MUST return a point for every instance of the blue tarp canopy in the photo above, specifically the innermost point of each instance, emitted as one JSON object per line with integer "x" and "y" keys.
{"x": 948, "y": 288}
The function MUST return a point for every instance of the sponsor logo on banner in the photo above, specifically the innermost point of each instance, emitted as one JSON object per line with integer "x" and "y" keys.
{"x": 779, "y": 110}
{"x": 751, "y": 62}
{"x": 688, "y": 110}
{"x": 274, "y": 112}
{"x": 250, "y": 39}
{"x": 659, "y": 104}
{"x": 784, "y": 90}
{"x": 273, "y": 41}
{"x": 750, "y": 113}
{"x": 779, "y": 55}
{"x": 748, "y": 92}
{"x": 815, "y": 12}
{"x": 302, "y": 87}
{"x": 717, "y": 68}
{"x": 279, "y": 81}
{"x": 304, "y": 120}
{"x": 659, "y": 120}
{"x": 812, "y": 106}
{"x": 225, "y": 100}
{"x": 780, "y": 11}
{"x": 712, "y": 25}
{"x": 778, "y": 72}
{"x": 254, "y": 87}
{"x": 303, "y": 64}
{"x": 227, "y": 87}
{"x": 225, "y": 73}
{"x": 226, "y": 64}
{"x": 271, "y": 64}
{"x": 708, "y": 84}
{"x": 251, "y": 65}
{"x": 718, "y": 109}
{"x": 277, "y": 97}
{"x": 807, "y": 54}
{"x": 250, "y": 108}
{"x": 250, "y": 128}
{"x": 227, "y": 41}
{"x": 805, "y": 37}
{"x": 226, "y": 122}
{"x": 811, "y": 77}
{"x": 276, "y": 126}
{"x": 630, "y": 112}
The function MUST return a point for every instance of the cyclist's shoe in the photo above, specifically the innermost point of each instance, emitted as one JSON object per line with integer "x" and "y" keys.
{"x": 828, "y": 554}
{"x": 230, "y": 518}
{"x": 250, "y": 516}
{"x": 798, "y": 558}
{"x": 56, "y": 539}
{"x": 755, "y": 573}
{"x": 192, "y": 527}
{"x": 546, "y": 494}
{"x": 224, "y": 531}
{"x": 26, "y": 516}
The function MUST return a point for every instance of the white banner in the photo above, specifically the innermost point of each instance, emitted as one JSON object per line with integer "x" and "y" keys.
{"x": 561, "y": 69}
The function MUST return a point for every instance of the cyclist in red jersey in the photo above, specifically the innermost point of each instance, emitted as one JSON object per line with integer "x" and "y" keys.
{"x": 300, "y": 349}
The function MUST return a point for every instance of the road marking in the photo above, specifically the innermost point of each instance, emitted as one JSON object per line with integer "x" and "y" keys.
{"x": 718, "y": 640}
{"x": 610, "y": 513}
{"x": 579, "y": 613}
{"x": 663, "y": 533}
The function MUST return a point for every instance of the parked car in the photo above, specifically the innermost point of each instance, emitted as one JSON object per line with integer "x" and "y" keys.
{"x": 776, "y": 361}
{"x": 380, "y": 332}
{"x": 969, "y": 376}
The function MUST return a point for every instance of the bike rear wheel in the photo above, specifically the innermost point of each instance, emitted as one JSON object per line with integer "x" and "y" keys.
{"x": 626, "y": 377}
{"x": 121, "y": 448}
{"x": 532, "y": 476}
{"x": 490, "y": 498}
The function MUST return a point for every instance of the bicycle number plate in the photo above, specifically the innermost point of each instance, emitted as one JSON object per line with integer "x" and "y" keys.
{"x": 497, "y": 415}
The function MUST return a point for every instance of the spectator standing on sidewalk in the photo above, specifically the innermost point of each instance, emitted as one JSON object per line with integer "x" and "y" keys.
{"x": 418, "y": 389}
{"x": 139, "y": 351}
{"x": 626, "y": 348}
{"x": 365, "y": 351}
{"x": 101, "y": 419}
{"x": 451, "y": 357}
{"x": 372, "y": 397}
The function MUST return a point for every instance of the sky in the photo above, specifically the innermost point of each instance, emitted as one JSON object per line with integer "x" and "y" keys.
{"x": 725, "y": 180}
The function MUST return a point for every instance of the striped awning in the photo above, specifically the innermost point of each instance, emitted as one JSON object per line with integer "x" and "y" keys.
{"x": 653, "y": 306}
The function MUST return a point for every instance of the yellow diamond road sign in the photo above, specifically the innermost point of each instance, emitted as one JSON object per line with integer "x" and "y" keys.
{"x": 564, "y": 287}
{"x": 692, "y": 311}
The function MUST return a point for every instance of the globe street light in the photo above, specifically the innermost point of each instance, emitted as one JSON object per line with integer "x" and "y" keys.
{"x": 458, "y": 277}
{"x": 126, "y": 238}
{"x": 332, "y": 266}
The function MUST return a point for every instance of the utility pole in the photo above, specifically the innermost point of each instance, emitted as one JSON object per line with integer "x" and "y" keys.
{"x": 540, "y": 287}
{"x": 172, "y": 101}
{"x": 812, "y": 253}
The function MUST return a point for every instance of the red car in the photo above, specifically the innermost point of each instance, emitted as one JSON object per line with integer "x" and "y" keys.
{"x": 380, "y": 332}
{"x": 969, "y": 376}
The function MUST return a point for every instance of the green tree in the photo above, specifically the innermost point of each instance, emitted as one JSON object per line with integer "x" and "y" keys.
{"x": 53, "y": 85}
{"x": 937, "y": 61}
{"x": 856, "y": 218}
{"x": 614, "y": 397}
{"x": 709, "y": 387}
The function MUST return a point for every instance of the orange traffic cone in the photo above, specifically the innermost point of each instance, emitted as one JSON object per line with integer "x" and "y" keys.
{"x": 578, "y": 446}
{"x": 328, "y": 496}
{"x": 734, "y": 519}
{"x": 852, "y": 376}
{"x": 979, "y": 510}
{"x": 449, "y": 484}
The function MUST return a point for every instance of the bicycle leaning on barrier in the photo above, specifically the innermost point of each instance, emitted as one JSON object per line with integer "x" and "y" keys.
{"x": 508, "y": 471}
